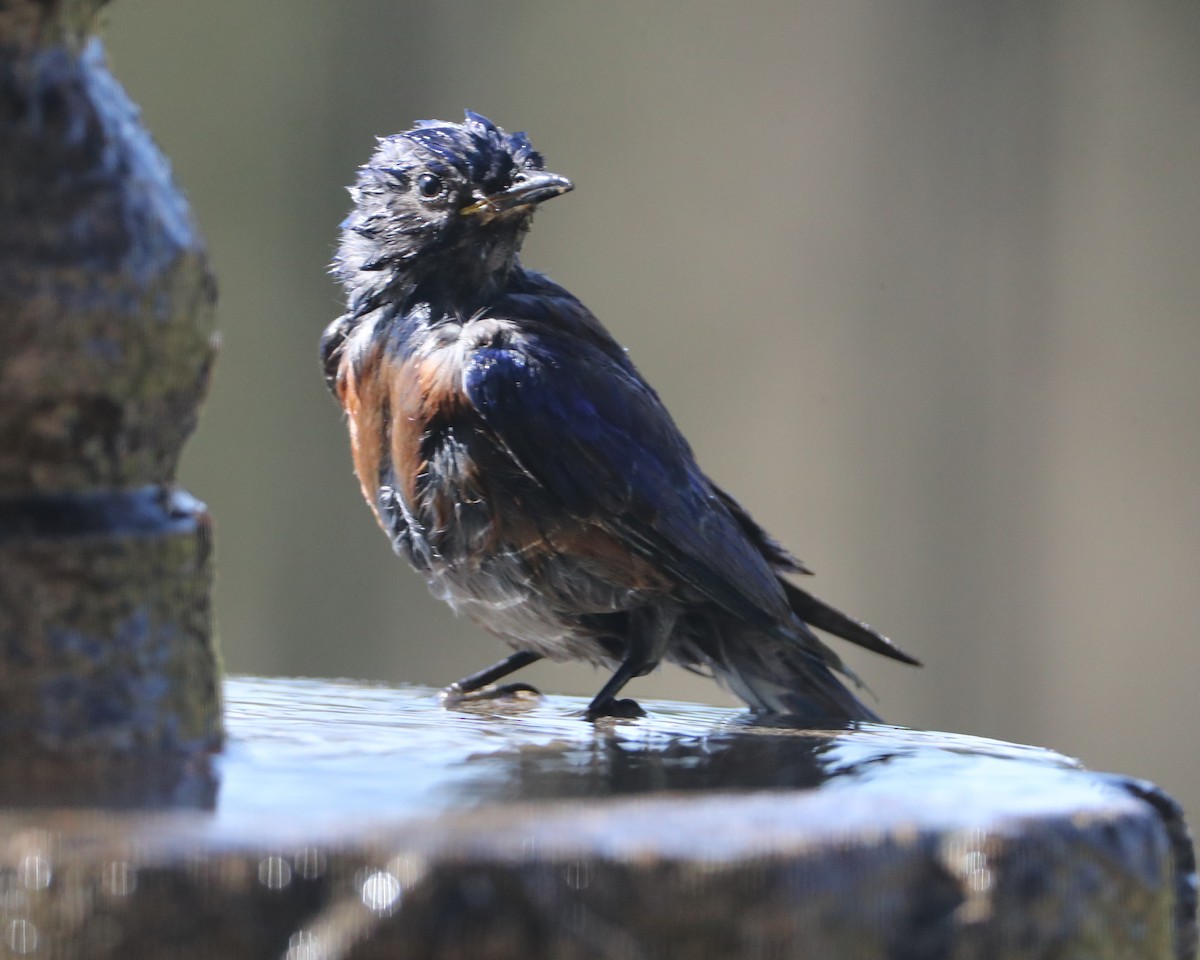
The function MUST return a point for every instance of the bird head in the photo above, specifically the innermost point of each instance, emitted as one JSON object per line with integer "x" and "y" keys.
{"x": 443, "y": 202}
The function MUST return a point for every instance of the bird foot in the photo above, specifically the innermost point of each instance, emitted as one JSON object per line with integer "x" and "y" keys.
{"x": 618, "y": 709}
{"x": 505, "y": 694}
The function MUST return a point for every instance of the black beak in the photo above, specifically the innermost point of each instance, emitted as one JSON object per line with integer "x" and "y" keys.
{"x": 526, "y": 190}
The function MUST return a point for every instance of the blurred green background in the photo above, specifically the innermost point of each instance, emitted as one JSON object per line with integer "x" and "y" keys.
{"x": 918, "y": 279}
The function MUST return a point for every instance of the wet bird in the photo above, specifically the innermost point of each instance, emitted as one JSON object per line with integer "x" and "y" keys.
{"x": 523, "y": 466}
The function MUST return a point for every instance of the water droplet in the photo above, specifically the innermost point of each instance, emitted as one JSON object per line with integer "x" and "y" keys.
{"x": 35, "y": 872}
{"x": 305, "y": 945}
{"x": 579, "y": 875}
{"x": 310, "y": 863}
{"x": 274, "y": 873}
{"x": 120, "y": 879}
{"x": 21, "y": 936}
{"x": 381, "y": 892}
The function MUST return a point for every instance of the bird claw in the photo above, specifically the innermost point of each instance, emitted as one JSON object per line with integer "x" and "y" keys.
{"x": 618, "y": 709}
{"x": 518, "y": 694}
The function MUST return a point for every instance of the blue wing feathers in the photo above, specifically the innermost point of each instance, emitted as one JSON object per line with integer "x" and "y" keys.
{"x": 586, "y": 427}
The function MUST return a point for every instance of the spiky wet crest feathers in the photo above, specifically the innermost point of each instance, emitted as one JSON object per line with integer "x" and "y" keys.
{"x": 394, "y": 226}
{"x": 517, "y": 458}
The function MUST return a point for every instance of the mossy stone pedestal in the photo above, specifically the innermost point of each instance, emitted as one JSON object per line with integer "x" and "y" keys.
{"x": 106, "y": 343}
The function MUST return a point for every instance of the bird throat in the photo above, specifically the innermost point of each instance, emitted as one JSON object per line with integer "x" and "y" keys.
{"x": 465, "y": 283}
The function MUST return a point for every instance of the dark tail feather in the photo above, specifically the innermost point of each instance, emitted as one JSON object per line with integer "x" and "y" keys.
{"x": 808, "y": 608}
{"x": 817, "y": 613}
{"x": 779, "y": 677}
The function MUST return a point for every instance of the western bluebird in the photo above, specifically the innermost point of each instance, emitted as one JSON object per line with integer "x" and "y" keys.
{"x": 518, "y": 460}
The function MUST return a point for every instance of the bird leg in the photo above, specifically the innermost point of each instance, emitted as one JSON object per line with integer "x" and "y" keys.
{"x": 649, "y": 631}
{"x": 470, "y": 688}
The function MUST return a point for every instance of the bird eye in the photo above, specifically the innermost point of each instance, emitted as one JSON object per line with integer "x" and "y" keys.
{"x": 429, "y": 185}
